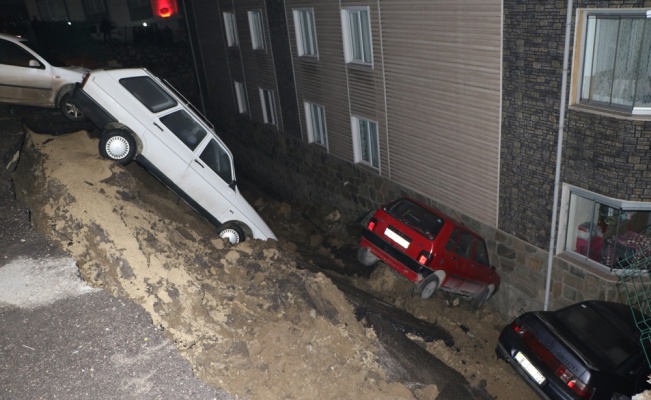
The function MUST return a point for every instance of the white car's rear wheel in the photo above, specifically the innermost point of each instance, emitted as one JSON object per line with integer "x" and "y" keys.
{"x": 117, "y": 145}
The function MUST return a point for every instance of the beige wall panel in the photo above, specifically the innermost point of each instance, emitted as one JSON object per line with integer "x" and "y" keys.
{"x": 442, "y": 65}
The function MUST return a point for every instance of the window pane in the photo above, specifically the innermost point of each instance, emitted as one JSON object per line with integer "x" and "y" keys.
{"x": 218, "y": 160}
{"x": 604, "y": 59}
{"x": 306, "y": 35}
{"x": 184, "y": 127}
{"x": 626, "y": 62}
{"x": 365, "y": 31}
{"x": 355, "y": 36}
{"x": 375, "y": 161}
{"x": 363, "y": 137}
{"x": 643, "y": 90}
{"x": 149, "y": 93}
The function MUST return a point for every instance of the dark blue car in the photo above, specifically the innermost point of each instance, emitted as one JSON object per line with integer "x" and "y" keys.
{"x": 589, "y": 350}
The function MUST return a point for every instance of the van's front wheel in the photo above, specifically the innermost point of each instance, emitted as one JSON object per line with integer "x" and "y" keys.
{"x": 117, "y": 145}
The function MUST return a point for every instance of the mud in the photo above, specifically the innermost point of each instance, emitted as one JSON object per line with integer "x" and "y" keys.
{"x": 248, "y": 320}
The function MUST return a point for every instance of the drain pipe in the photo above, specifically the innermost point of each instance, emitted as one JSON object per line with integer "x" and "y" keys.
{"x": 559, "y": 153}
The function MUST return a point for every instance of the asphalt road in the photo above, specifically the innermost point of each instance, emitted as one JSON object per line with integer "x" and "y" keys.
{"x": 60, "y": 339}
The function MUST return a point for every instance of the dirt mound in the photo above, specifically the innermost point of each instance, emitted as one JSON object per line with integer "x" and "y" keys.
{"x": 243, "y": 315}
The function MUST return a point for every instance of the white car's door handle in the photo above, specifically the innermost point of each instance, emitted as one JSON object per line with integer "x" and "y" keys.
{"x": 156, "y": 125}
{"x": 197, "y": 161}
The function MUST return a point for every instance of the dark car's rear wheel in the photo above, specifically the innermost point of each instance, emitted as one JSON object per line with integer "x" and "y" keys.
{"x": 117, "y": 145}
{"x": 232, "y": 232}
{"x": 365, "y": 257}
{"x": 71, "y": 111}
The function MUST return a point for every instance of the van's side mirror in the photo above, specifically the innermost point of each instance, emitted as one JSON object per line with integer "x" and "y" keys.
{"x": 34, "y": 64}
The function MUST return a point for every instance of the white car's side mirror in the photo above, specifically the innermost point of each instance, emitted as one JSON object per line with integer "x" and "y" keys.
{"x": 34, "y": 64}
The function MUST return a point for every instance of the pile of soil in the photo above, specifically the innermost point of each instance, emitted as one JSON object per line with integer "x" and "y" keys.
{"x": 245, "y": 316}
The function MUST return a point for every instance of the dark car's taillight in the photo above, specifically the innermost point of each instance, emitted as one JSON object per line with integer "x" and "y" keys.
{"x": 371, "y": 224}
{"x": 560, "y": 370}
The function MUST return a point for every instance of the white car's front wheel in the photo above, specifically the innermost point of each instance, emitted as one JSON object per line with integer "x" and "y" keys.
{"x": 232, "y": 232}
{"x": 117, "y": 145}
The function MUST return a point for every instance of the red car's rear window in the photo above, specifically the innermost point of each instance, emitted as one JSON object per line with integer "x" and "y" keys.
{"x": 416, "y": 217}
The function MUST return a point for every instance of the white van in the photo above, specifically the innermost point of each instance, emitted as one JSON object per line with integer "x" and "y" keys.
{"x": 143, "y": 118}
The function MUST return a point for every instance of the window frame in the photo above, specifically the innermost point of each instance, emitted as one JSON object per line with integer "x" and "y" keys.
{"x": 571, "y": 225}
{"x": 583, "y": 40}
{"x": 306, "y": 41}
{"x": 230, "y": 28}
{"x": 316, "y": 127}
{"x": 256, "y": 27}
{"x": 359, "y": 158}
{"x": 241, "y": 97}
{"x": 350, "y": 47}
{"x": 268, "y": 105}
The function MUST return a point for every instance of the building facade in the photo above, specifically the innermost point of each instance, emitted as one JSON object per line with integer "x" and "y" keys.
{"x": 354, "y": 103}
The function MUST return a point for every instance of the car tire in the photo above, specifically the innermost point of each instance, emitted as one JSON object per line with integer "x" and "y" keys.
{"x": 365, "y": 257}
{"x": 427, "y": 287}
{"x": 69, "y": 110}
{"x": 117, "y": 145}
{"x": 480, "y": 298}
{"x": 232, "y": 232}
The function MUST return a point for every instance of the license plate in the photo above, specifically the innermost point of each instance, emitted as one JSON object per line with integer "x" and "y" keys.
{"x": 396, "y": 238}
{"x": 528, "y": 366}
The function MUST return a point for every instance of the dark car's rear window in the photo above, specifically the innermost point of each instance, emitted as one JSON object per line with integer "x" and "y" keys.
{"x": 416, "y": 217}
{"x": 149, "y": 93}
{"x": 598, "y": 334}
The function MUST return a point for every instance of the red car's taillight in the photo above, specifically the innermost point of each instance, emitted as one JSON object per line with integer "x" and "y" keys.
{"x": 424, "y": 257}
{"x": 371, "y": 224}
{"x": 565, "y": 375}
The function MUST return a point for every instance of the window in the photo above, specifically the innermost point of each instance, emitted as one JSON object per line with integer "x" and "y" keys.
{"x": 12, "y": 54}
{"x": 316, "y": 126}
{"x": 356, "y": 27}
{"x": 149, "y": 93}
{"x": 606, "y": 231}
{"x": 365, "y": 142}
{"x": 257, "y": 34}
{"x": 94, "y": 6}
{"x": 52, "y": 10}
{"x": 305, "y": 32}
{"x": 616, "y": 70}
{"x": 242, "y": 101}
{"x": 230, "y": 25}
{"x": 186, "y": 128}
{"x": 268, "y": 106}
{"x": 218, "y": 159}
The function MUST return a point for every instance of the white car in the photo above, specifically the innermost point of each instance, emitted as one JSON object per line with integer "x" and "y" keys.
{"x": 144, "y": 118}
{"x": 31, "y": 78}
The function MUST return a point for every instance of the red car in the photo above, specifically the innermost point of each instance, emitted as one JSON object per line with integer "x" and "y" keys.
{"x": 430, "y": 249}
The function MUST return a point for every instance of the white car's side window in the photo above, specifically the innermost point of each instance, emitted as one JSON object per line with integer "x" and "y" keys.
{"x": 218, "y": 159}
{"x": 184, "y": 127}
